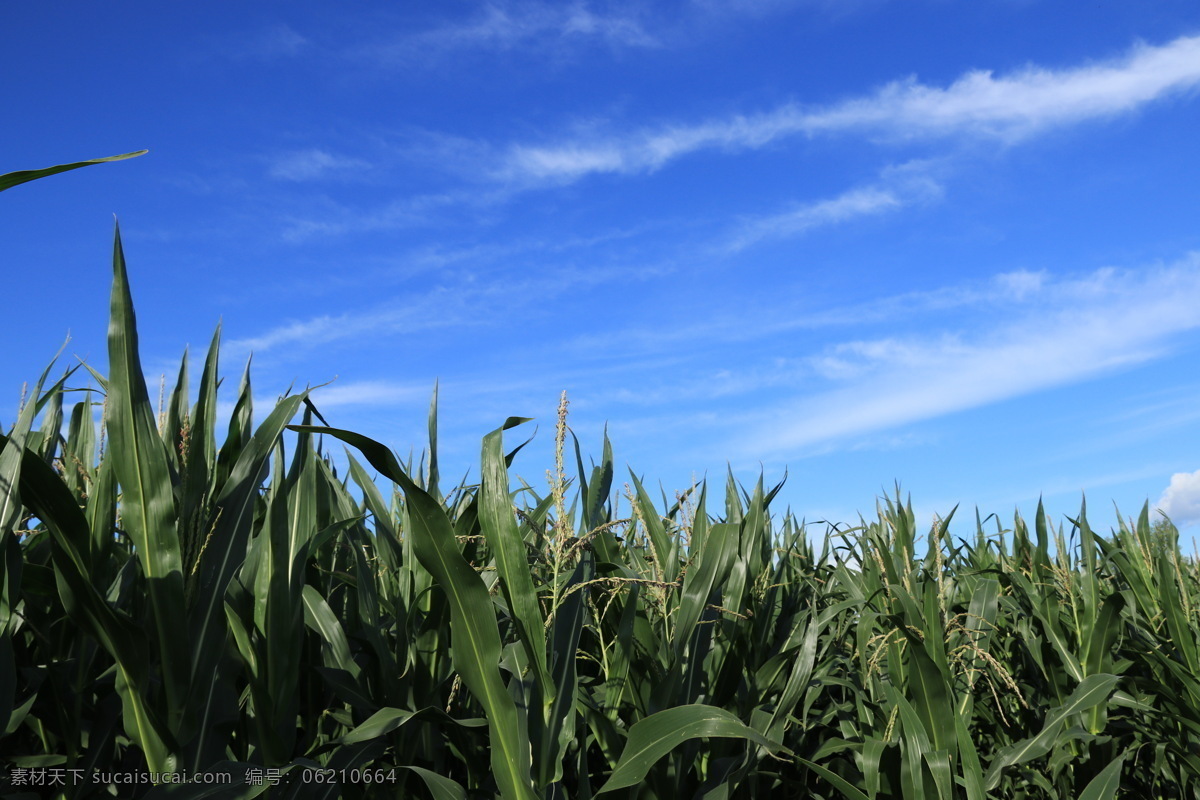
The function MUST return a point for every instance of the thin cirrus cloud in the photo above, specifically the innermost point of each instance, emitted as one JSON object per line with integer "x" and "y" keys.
{"x": 898, "y": 187}
{"x": 1008, "y": 108}
{"x": 267, "y": 44}
{"x": 1004, "y": 291}
{"x": 368, "y": 393}
{"x": 1113, "y": 319}
{"x": 461, "y": 302}
{"x": 855, "y": 203}
{"x": 509, "y": 26}
{"x": 326, "y": 328}
{"x": 312, "y": 164}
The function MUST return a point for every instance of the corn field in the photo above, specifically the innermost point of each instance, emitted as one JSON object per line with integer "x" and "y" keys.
{"x": 175, "y": 607}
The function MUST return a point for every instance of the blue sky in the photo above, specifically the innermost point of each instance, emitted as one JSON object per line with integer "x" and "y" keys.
{"x": 950, "y": 244}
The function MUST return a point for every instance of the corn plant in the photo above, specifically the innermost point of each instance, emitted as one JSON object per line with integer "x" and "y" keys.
{"x": 172, "y": 604}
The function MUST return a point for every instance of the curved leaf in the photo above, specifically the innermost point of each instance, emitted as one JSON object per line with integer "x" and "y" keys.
{"x": 1092, "y": 691}
{"x": 658, "y": 734}
{"x": 1104, "y": 785}
{"x": 441, "y": 787}
{"x": 11, "y": 179}
{"x": 476, "y": 644}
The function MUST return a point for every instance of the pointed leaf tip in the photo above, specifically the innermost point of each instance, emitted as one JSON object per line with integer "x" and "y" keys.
{"x": 11, "y": 179}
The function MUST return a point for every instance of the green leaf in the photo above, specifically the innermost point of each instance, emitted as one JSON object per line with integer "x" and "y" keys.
{"x": 11, "y": 179}
{"x": 657, "y": 532}
{"x": 654, "y": 736}
{"x": 12, "y": 453}
{"x": 496, "y": 518}
{"x": 847, "y": 789}
{"x": 386, "y": 720}
{"x": 47, "y": 497}
{"x": 320, "y": 617}
{"x": 560, "y": 726}
{"x": 1104, "y": 785}
{"x": 929, "y": 681}
{"x": 441, "y": 787}
{"x": 476, "y": 646}
{"x": 1092, "y": 691}
{"x": 716, "y": 552}
{"x": 972, "y": 772}
{"x": 147, "y": 508}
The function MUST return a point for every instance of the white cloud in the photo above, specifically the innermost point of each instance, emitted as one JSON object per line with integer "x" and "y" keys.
{"x": 1007, "y": 290}
{"x": 752, "y": 8}
{"x": 507, "y": 26}
{"x": 405, "y": 212}
{"x": 615, "y": 29}
{"x": 461, "y": 301}
{"x": 977, "y": 104}
{"x": 307, "y": 165}
{"x": 1181, "y": 500}
{"x": 1037, "y": 332}
{"x": 568, "y": 161}
{"x": 899, "y": 186}
{"x": 276, "y": 41}
{"x": 367, "y": 393}
{"x": 1020, "y": 284}
{"x": 280, "y": 40}
{"x": 1067, "y": 332}
{"x": 855, "y": 203}
{"x": 411, "y": 316}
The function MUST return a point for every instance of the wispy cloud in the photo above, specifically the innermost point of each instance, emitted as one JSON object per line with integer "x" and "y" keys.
{"x": 1055, "y": 331}
{"x": 1026, "y": 102}
{"x": 401, "y": 213}
{"x": 899, "y": 187}
{"x": 268, "y": 44}
{"x": 722, "y": 9}
{"x": 311, "y": 164}
{"x": 507, "y": 26}
{"x": 1001, "y": 293}
{"x": 367, "y": 393}
{"x": 462, "y": 300}
{"x": 406, "y": 317}
{"x": 978, "y": 104}
{"x": 1181, "y": 500}
{"x": 855, "y": 203}
{"x": 1112, "y": 319}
